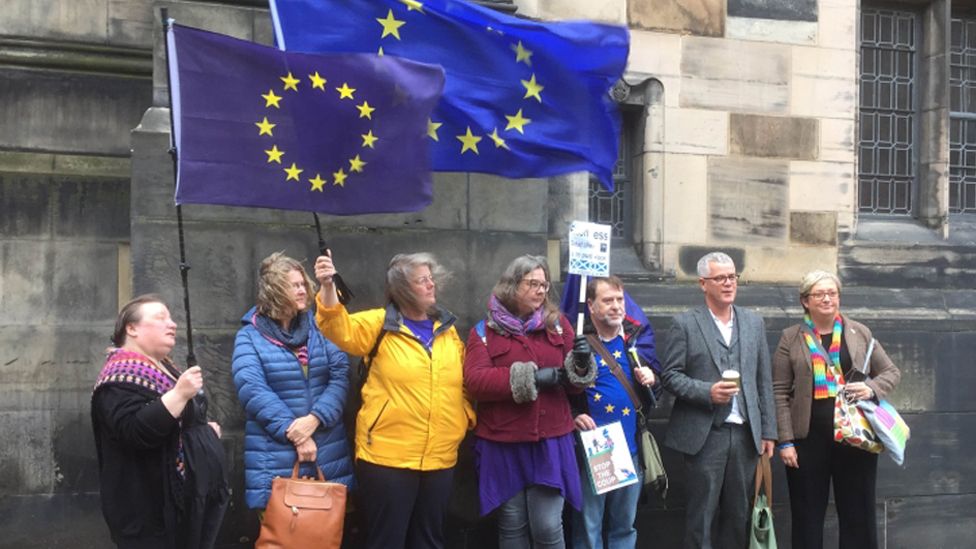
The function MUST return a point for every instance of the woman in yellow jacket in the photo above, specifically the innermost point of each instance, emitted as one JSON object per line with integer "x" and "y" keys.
{"x": 414, "y": 413}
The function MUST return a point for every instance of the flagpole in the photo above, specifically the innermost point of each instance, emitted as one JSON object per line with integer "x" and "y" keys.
{"x": 191, "y": 359}
{"x": 343, "y": 292}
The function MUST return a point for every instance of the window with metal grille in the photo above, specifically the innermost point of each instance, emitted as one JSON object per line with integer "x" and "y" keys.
{"x": 609, "y": 207}
{"x": 962, "y": 118}
{"x": 887, "y": 165}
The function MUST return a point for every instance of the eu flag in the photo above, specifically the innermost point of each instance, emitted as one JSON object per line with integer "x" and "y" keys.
{"x": 339, "y": 134}
{"x": 522, "y": 98}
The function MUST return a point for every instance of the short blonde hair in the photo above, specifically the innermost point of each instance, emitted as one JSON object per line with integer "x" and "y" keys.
{"x": 274, "y": 292}
{"x": 813, "y": 278}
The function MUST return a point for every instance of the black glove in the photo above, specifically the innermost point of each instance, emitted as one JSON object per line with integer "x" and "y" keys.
{"x": 581, "y": 353}
{"x": 546, "y": 378}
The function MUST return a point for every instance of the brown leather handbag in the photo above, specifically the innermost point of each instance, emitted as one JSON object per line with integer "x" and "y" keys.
{"x": 303, "y": 513}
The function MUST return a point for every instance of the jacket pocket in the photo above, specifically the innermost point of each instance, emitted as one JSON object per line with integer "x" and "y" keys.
{"x": 369, "y": 432}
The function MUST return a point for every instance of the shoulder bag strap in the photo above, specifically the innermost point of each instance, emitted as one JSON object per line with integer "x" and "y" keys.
{"x": 367, "y": 361}
{"x": 615, "y": 368}
{"x": 764, "y": 480}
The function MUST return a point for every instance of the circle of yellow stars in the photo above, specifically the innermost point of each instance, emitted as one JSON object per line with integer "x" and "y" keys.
{"x": 516, "y": 122}
{"x": 294, "y": 172}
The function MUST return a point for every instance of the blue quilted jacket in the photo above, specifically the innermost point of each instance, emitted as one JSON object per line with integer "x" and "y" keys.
{"x": 274, "y": 392}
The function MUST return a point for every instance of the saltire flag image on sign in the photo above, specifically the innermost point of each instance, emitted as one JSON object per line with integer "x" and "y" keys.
{"x": 522, "y": 98}
{"x": 339, "y": 134}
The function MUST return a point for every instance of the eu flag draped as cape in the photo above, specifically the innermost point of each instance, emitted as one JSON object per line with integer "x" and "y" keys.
{"x": 522, "y": 98}
{"x": 339, "y": 134}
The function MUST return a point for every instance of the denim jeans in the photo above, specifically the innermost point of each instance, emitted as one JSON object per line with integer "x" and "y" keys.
{"x": 532, "y": 518}
{"x": 619, "y": 507}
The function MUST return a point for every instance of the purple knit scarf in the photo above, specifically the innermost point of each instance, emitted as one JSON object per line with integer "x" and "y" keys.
{"x": 512, "y": 324}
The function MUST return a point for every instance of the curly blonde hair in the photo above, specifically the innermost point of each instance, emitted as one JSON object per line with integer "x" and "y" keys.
{"x": 274, "y": 292}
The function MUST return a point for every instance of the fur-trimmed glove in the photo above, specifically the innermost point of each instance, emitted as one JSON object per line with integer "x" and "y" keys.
{"x": 579, "y": 364}
{"x": 521, "y": 377}
{"x": 547, "y": 378}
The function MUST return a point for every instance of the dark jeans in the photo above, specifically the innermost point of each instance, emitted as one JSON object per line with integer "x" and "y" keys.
{"x": 853, "y": 473}
{"x": 402, "y": 507}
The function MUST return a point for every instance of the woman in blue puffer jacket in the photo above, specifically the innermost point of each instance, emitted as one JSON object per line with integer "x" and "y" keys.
{"x": 292, "y": 383}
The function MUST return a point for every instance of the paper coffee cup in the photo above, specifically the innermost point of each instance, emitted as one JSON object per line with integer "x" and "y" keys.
{"x": 731, "y": 376}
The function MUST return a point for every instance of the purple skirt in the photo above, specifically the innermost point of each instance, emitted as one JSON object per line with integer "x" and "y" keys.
{"x": 507, "y": 468}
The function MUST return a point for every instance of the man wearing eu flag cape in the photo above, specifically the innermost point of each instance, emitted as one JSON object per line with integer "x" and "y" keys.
{"x": 521, "y": 98}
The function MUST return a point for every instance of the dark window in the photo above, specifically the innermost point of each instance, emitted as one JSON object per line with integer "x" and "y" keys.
{"x": 608, "y": 207}
{"x": 962, "y": 119}
{"x": 886, "y": 170}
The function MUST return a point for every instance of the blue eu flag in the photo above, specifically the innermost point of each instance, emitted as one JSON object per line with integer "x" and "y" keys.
{"x": 341, "y": 134}
{"x": 522, "y": 98}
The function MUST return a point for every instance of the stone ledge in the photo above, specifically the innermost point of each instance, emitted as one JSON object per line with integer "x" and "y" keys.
{"x": 72, "y": 56}
{"x": 64, "y": 164}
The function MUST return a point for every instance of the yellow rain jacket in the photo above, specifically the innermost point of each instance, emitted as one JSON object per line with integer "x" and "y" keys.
{"x": 415, "y": 411}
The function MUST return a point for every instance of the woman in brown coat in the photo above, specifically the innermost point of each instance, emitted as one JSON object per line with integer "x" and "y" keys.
{"x": 812, "y": 362}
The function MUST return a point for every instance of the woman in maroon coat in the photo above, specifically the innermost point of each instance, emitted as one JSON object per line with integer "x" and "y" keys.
{"x": 519, "y": 365}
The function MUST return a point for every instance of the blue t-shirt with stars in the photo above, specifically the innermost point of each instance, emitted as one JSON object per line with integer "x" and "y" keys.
{"x": 607, "y": 399}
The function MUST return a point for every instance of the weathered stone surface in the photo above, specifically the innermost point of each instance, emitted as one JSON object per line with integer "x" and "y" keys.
{"x": 933, "y": 521}
{"x": 492, "y": 205}
{"x": 735, "y": 75}
{"x": 824, "y": 83}
{"x": 82, "y": 20}
{"x": 656, "y": 55}
{"x": 696, "y": 131}
{"x": 837, "y": 140}
{"x": 768, "y": 30}
{"x": 787, "y": 10}
{"x": 611, "y": 11}
{"x": 820, "y": 186}
{"x": 69, "y": 112}
{"x": 748, "y": 200}
{"x": 701, "y": 17}
{"x": 686, "y": 185}
{"x": 838, "y": 24}
{"x": 773, "y": 136}
{"x": 97, "y": 208}
{"x": 814, "y": 228}
{"x": 25, "y": 203}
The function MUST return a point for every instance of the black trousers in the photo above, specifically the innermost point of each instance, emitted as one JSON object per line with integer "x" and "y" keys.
{"x": 402, "y": 508}
{"x": 853, "y": 473}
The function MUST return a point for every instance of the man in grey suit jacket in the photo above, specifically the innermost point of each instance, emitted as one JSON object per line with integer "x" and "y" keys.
{"x": 721, "y": 429}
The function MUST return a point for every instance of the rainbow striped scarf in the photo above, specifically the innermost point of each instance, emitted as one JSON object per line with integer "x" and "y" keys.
{"x": 826, "y": 378}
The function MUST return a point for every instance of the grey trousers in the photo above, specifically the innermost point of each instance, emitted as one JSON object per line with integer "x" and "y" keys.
{"x": 720, "y": 482}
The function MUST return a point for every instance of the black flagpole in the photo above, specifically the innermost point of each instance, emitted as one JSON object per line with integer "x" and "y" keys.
{"x": 191, "y": 359}
{"x": 342, "y": 291}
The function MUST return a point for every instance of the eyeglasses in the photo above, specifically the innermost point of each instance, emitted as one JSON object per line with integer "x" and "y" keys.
{"x": 722, "y": 279}
{"x": 536, "y": 284}
{"x": 818, "y": 296}
{"x": 424, "y": 280}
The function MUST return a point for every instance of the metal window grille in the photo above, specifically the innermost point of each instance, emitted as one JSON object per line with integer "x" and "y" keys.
{"x": 609, "y": 207}
{"x": 962, "y": 119}
{"x": 887, "y": 165}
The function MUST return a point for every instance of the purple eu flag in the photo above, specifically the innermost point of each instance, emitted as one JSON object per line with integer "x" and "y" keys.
{"x": 338, "y": 134}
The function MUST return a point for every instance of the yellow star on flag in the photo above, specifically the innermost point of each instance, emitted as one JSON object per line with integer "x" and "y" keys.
{"x": 625, "y": 411}
{"x": 597, "y": 397}
{"x": 293, "y": 172}
{"x": 517, "y": 121}
{"x": 317, "y": 183}
{"x": 469, "y": 142}
{"x": 499, "y": 142}
{"x": 413, "y": 5}
{"x": 369, "y": 139}
{"x": 365, "y": 111}
{"x": 608, "y": 408}
{"x": 522, "y": 54}
{"x": 340, "y": 178}
{"x": 265, "y": 127}
{"x": 616, "y": 354}
{"x": 532, "y": 88}
{"x": 317, "y": 81}
{"x": 345, "y": 92}
{"x": 432, "y": 128}
{"x": 274, "y": 155}
{"x": 356, "y": 164}
{"x": 391, "y": 25}
{"x": 379, "y": 52}
{"x": 271, "y": 100}
{"x": 291, "y": 83}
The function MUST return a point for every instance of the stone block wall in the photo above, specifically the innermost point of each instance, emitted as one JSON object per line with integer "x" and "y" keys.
{"x": 760, "y": 101}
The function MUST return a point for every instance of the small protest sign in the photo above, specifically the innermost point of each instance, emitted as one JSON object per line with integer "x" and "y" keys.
{"x": 609, "y": 463}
